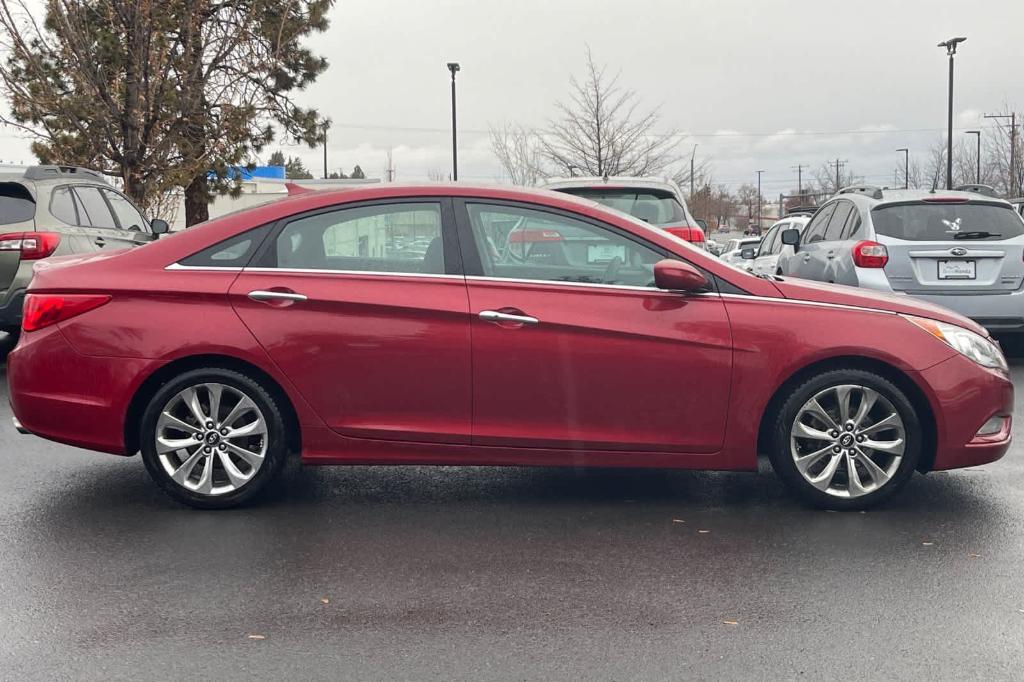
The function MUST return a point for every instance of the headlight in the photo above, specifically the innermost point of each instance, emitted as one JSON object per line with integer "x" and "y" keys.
{"x": 983, "y": 351}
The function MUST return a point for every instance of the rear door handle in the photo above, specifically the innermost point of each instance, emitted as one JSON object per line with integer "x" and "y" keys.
{"x": 495, "y": 316}
{"x": 807, "y": 257}
{"x": 100, "y": 242}
{"x": 264, "y": 296}
{"x": 831, "y": 253}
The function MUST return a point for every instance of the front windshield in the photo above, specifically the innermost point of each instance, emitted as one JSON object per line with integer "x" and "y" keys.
{"x": 654, "y": 206}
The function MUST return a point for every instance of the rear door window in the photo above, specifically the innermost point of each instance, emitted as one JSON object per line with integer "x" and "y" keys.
{"x": 768, "y": 242}
{"x": 816, "y": 228}
{"x": 838, "y": 220}
{"x": 62, "y": 205}
{"x": 127, "y": 215}
{"x": 923, "y": 221}
{"x": 93, "y": 208}
{"x": 16, "y": 204}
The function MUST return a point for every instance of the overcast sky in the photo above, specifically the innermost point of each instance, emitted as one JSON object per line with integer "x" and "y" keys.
{"x": 759, "y": 84}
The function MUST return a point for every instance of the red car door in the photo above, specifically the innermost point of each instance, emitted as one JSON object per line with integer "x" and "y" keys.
{"x": 364, "y": 309}
{"x": 573, "y": 347}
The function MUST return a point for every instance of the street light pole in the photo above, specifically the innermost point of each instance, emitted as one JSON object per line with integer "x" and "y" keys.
{"x": 692, "y": 156}
{"x": 454, "y": 68}
{"x": 977, "y": 172}
{"x": 906, "y": 167}
{"x": 1011, "y": 186}
{"x": 759, "y": 201}
{"x": 950, "y": 46}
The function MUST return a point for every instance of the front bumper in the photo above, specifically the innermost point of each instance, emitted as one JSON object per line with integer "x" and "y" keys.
{"x": 964, "y": 396}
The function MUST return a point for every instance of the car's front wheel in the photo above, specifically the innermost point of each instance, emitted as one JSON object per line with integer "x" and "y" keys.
{"x": 213, "y": 438}
{"x": 846, "y": 439}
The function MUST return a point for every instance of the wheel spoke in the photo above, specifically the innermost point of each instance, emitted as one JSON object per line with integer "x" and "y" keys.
{"x": 191, "y": 399}
{"x": 853, "y": 482}
{"x": 243, "y": 405}
{"x": 254, "y": 429}
{"x": 867, "y": 401}
{"x": 205, "y": 484}
{"x": 165, "y": 445}
{"x": 876, "y": 472}
{"x": 824, "y": 479}
{"x": 252, "y": 458}
{"x": 237, "y": 478}
{"x": 801, "y": 430}
{"x": 168, "y": 420}
{"x": 815, "y": 408}
{"x": 805, "y": 462}
{"x": 182, "y": 473}
{"x": 891, "y": 421}
{"x": 843, "y": 398}
{"x": 893, "y": 447}
{"x": 215, "y": 391}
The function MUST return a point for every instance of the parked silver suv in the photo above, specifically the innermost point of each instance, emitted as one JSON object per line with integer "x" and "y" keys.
{"x": 961, "y": 250}
{"x": 54, "y": 211}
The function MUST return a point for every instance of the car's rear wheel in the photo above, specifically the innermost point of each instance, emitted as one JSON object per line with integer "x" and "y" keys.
{"x": 213, "y": 438}
{"x": 846, "y": 439}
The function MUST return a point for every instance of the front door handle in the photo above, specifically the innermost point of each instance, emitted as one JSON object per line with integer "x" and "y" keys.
{"x": 100, "y": 242}
{"x": 499, "y": 317}
{"x": 807, "y": 257}
{"x": 265, "y": 296}
{"x": 831, "y": 253}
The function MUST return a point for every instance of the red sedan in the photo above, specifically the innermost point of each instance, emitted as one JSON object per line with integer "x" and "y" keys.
{"x": 391, "y": 324}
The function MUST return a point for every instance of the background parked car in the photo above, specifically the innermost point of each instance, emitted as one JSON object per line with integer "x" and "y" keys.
{"x": 658, "y": 202}
{"x": 960, "y": 250}
{"x": 1018, "y": 204}
{"x": 766, "y": 258}
{"x": 732, "y": 252}
{"x": 54, "y": 211}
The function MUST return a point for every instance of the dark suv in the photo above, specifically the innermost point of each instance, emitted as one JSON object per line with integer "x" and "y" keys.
{"x": 56, "y": 211}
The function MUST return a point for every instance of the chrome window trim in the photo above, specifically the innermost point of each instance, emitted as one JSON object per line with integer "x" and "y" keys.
{"x": 329, "y": 271}
{"x": 482, "y": 278}
{"x": 211, "y": 268}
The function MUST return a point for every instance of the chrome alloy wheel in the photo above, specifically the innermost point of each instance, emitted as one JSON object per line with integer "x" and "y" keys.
{"x": 847, "y": 441}
{"x": 211, "y": 438}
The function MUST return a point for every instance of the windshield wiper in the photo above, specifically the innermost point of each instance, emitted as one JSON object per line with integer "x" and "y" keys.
{"x": 978, "y": 234}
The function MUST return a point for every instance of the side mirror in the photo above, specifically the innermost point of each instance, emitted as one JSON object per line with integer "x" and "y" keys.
{"x": 748, "y": 253}
{"x": 159, "y": 227}
{"x": 791, "y": 237}
{"x": 675, "y": 275}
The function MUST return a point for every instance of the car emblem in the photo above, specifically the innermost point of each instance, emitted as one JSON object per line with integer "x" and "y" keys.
{"x": 958, "y": 251}
{"x": 953, "y": 225}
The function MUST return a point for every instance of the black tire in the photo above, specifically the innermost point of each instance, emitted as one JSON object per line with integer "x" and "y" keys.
{"x": 782, "y": 458}
{"x": 275, "y": 439}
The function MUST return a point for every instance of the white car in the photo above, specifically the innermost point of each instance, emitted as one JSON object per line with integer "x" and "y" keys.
{"x": 732, "y": 252}
{"x": 772, "y": 249}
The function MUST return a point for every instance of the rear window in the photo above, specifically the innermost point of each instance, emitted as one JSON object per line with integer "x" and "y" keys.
{"x": 657, "y": 207}
{"x": 927, "y": 222}
{"x": 16, "y": 204}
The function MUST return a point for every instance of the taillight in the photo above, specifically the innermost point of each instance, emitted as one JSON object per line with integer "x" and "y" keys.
{"x": 32, "y": 245}
{"x": 688, "y": 233}
{"x": 945, "y": 200}
{"x": 870, "y": 255}
{"x": 43, "y": 310}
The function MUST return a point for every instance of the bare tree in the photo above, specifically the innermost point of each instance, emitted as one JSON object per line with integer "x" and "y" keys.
{"x": 436, "y": 175}
{"x": 601, "y": 132}
{"x": 825, "y": 177}
{"x": 1006, "y": 180}
{"x": 519, "y": 152}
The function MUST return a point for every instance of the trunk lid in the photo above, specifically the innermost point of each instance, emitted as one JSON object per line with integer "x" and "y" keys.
{"x": 951, "y": 246}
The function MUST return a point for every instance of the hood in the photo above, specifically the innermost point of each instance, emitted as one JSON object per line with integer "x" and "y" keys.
{"x": 820, "y": 292}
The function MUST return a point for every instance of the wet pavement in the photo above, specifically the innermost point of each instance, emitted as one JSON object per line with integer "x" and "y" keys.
{"x": 471, "y": 573}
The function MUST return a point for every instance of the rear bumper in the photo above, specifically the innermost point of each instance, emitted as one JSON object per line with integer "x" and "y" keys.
{"x": 59, "y": 394}
{"x": 964, "y": 396}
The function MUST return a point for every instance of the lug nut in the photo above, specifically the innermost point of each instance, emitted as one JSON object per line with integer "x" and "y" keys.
{"x": 849, "y": 426}
{"x": 199, "y": 436}
{"x": 833, "y": 433}
{"x": 837, "y": 449}
{"x": 209, "y": 425}
{"x": 860, "y": 439}
{"x": 222, "y": 447}
{"x": 207, "y": 449}
{"x": 224, "y": 431}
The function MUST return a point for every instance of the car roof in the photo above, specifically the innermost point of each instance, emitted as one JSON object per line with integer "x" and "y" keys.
{"x": 51, "y": 175}
{"x": 893, "y": 196}
{"x": 619, "y": 181}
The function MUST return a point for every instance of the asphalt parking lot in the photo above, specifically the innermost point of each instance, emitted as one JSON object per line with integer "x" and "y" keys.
{"x": 470, "y": 573}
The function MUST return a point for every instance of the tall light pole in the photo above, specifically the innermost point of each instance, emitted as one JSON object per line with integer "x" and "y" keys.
{"x": 759, "y": 201}
{"x": 950, "y": 46}
{"x": 327, "y": 124}
{"x": 906, "y": 167}
{"x": 692, "y": 156}
{"x": 1011, "y": 187}
{"x": 454, "y": 68}
{"x": 977, "y": 171}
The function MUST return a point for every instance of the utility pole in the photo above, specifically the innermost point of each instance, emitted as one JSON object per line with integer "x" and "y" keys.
{"x": 906, "y": 167}
{"x": 390, "y": 170}
{"x": 799, "y": 180}
{"x": 1012, "y": 189}
{"x": 839, "y": 164}
{"x": 692, "y": 156}
{"x": 759, "y": 201}
{"x": 327, "y": 124}
{"x": 454, "y": 68}
{"x": 950, "y": 46}
{"x": 977, "y": 172}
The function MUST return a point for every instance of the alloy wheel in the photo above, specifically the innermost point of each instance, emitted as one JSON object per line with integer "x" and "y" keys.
{"x": 211, "y": 438}
{"x": 847, "y": 440}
